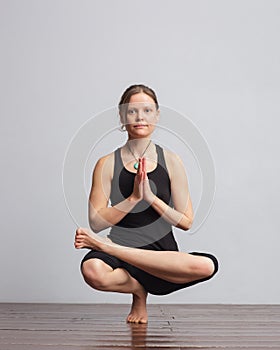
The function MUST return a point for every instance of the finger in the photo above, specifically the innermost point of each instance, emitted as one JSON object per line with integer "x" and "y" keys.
{"x": 144, "y": 164}
{"x": 140, "y": 166}
{"x": 78, "y": 235}
{"x": 144, "y": 168}
{"x": 143, "y": 176}
{"x": 83, "y": 234}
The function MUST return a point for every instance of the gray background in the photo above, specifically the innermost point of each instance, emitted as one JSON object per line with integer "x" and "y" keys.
{"x": 62, "y": 62}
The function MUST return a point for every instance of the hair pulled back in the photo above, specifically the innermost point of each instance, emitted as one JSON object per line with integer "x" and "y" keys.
{"x": 133, "y": 90}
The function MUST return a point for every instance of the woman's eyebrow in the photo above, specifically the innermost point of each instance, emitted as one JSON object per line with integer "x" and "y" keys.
{"x": 140, "y": 105}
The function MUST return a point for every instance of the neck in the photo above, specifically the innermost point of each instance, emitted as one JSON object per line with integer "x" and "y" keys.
{"x": 139, "y": 145}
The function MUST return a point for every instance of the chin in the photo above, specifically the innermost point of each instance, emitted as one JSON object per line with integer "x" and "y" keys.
{"x": 140, "y": 134}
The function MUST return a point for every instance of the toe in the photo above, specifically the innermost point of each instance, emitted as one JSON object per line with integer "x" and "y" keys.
{"x": 143, "y": 321}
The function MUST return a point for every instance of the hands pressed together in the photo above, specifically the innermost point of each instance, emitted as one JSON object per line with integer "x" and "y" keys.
{"x": 85, "y": 238}
{"x": 142, "y": 189}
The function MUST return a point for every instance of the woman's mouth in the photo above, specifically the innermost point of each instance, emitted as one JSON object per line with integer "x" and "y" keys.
{"x": 140, "y": 126}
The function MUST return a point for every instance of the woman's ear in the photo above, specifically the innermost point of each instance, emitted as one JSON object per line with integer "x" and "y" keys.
{"x": 157, "y": 115}
{"x": 122, "y": 122}
{"x": 122, "y": 119}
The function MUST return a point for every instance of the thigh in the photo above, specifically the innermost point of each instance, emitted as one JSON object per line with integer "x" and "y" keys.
{"x": 150, "y": 283}
{"x": 108, "y": 259}
{"x": 158, "y": 286}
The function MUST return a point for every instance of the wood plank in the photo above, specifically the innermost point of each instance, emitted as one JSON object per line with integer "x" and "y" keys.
{"x": 103, "y": 326}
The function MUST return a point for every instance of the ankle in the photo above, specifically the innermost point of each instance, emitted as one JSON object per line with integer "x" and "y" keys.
{"x": 140, "y": 294}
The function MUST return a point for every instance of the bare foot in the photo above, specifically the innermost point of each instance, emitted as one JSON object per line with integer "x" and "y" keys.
{"x": 138, "y": 312}
{"x": 85, "y": 238}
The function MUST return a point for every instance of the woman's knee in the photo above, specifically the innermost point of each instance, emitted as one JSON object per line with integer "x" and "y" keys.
{"x": 209, "y": 265}
{"x": 206, "y": 267}
{"x": 94, "y": 272}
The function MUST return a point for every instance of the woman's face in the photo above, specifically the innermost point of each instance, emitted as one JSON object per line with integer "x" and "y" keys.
{"x": 141, "y": 116}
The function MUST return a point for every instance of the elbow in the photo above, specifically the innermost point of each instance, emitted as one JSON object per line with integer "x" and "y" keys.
{"x": 95, "y": 229}
{"x": 185, "y": 224}
{"x": 97, "y": 223}
{"x": 94, "y": 226}
{"x": 93, "y": 219}
{"x": 185, "y": 228}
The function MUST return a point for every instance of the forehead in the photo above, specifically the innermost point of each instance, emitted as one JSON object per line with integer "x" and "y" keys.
{"x": 141, "y": 98}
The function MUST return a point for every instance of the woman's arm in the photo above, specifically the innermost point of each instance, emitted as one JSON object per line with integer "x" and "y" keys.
{"x": 100, "y": 215}
{"x": 181, "y": 215}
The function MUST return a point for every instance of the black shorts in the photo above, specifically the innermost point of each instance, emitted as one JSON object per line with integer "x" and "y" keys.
{"x": 151, "y": 284}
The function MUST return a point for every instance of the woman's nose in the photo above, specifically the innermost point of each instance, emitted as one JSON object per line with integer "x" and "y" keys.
{"x": 140, "y": 115}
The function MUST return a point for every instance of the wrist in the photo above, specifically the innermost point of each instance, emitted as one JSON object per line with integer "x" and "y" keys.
{"x": 150, "y": 200}
{"x": 133, "y": 199}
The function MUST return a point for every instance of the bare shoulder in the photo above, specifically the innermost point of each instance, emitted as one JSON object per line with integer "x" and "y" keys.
{"x": 105, "y": 165}
{"x": 171, "y": 157}
{"x": 173, "y": 162}
{"x": 107, "y": 158}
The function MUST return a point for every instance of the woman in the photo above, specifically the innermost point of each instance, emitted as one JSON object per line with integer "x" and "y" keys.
{"x": 148, "y": 189}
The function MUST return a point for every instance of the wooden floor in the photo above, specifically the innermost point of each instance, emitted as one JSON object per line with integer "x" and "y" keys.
{"x": 98, "y": 326}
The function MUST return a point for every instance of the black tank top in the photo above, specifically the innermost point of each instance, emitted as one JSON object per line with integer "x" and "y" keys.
{"x": 143, "y": 226}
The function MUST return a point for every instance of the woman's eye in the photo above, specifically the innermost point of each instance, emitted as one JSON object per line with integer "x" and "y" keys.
{"x": 148, "y": 110}
{"x": 131, "y": 111}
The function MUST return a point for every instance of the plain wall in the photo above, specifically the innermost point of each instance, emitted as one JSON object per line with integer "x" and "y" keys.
{"x": 64, "y": 61}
